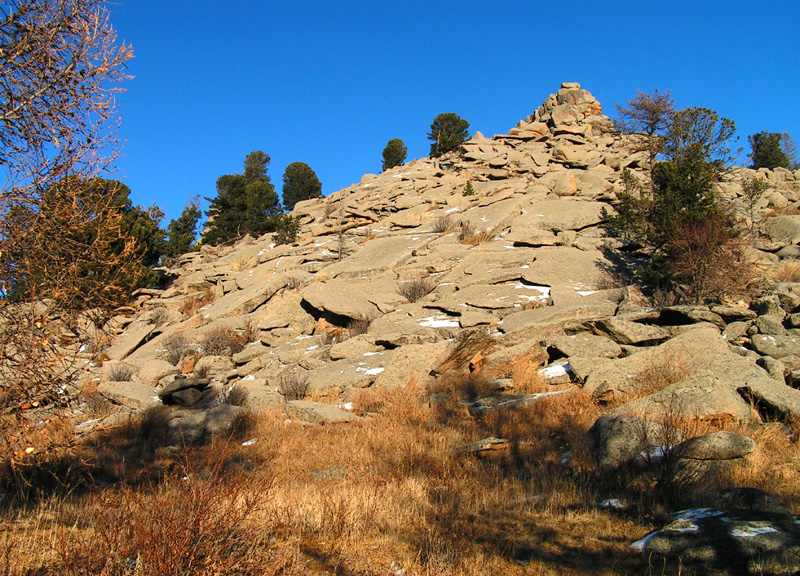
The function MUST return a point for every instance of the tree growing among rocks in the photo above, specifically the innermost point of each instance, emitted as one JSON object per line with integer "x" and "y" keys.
{"x": 245, "y": 203}
{"x": 766, "y": 150}
{"x": 448, "y": 132}
{"x": 646, "y": 118}
{"x": 394, "y": 154}
{"x": 183, "y": 231}
{"x": 300, "y": 182}
{"x": 696, "y": 253}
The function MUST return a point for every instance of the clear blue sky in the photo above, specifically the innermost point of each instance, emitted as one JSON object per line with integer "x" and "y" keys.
{"x": 328, "y": 83}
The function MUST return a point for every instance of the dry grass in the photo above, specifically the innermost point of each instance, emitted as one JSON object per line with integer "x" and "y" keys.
{"x": 193, "y": 304}
{"x": 293, "y": 386}
{"x": 786, "y": 271}
{"x": 380, "y": 496}
{"x": 121, "y": 372}
{"x": 469, "y": 235}
{"x": 663, "y": 371}
{"x": 356, "y": 326}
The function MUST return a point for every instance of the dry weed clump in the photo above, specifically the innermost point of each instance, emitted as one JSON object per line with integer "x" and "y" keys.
{"x": 469, "y": 235}
{"x": 193, "y": 304}
{"x": 223, "y": 341}
{"x": 413, "y": 289}
{"x": 293, "y": 386}
{"x": 663, "y": 371}
{"x": 356, "y": 326}
{"x": 197, "y": 522}
{"x": 786, "y": 271}
{"x": 442, "y": 224}
{"x": 121, "y": 372}
{"x": 175, "y": 347}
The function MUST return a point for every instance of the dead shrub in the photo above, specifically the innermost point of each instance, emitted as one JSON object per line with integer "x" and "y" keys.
{"x": 414, "y": 289}
{"x": 706, "y": 261}
{"x": 356, "y": 326}
{"x": 442, "y": 224}
{"x": 293, "y": 386}
{"x": 121, "y": 372}
{"x": 223, "y": 341}
{"x": 159, "y": 315}
{"x": 175, "y": 347}
{"x": 193, "y": 523}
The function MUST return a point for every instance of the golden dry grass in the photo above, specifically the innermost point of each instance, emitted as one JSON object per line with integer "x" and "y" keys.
{"x": 786, "y": 271}
{"x": 380, "y": 496}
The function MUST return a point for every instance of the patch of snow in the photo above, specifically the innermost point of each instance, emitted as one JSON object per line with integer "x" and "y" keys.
{"x": 310, "y": 348}
{"x": 370, "y": 371}
{"x": 371, "y": 353}
{"x": 750, "y": 531}
{"x": 83, "y": 348}
{"x": 249, "y": 377}
{"x": 612, "y": 504}
{"x": 438, "y": 322}
{"x": 555, "y": 371}
{"x": 525, "y": 266}
{"x": 250, "y": 442}
{"x": 586, "y": 292}
{"x": 346, "y": 406}
{"x": 641, "y": 545}
{"x": 697, "y": 513}
{"x": 451, "y": 210}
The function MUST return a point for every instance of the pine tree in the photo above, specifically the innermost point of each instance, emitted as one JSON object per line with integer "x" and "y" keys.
{"x": 245, "y": 203}
{"x": 448, "y": 132}
{"x": 766, "y": 150}
{"x": 300, "y": 182}
{"x": 394, "y": 154}
{"x": 182, "y": 232}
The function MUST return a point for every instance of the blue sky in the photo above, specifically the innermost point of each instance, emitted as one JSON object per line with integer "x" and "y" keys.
{"x": 330, "y": 83}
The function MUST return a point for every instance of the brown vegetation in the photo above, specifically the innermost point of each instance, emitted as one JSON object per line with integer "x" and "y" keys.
{"x": 386, "y": 494}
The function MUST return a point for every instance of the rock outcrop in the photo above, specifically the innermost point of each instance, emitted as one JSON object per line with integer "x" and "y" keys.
{"x": 525, "y": 261}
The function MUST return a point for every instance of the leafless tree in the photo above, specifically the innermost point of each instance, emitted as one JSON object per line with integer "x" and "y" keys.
{"x": 646, "y": 117}
{"x": 61, "y": 68}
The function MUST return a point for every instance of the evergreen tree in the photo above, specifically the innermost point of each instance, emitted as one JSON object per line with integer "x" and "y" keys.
{"x": 300, "y": 182}
{"x": 789, "y": 147}
{"x": 448, "y": 132}
{"x": 394, "y": 154}
{"x": 704, "y": 128}
{"x": 182, "y": 232}
{"x": 245, "y": 203}
{"x": 766, "y": 150}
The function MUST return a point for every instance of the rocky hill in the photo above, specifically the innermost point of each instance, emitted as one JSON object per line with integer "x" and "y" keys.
{"x": 407, "y": 277}
{"x": 389, "y": 276}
